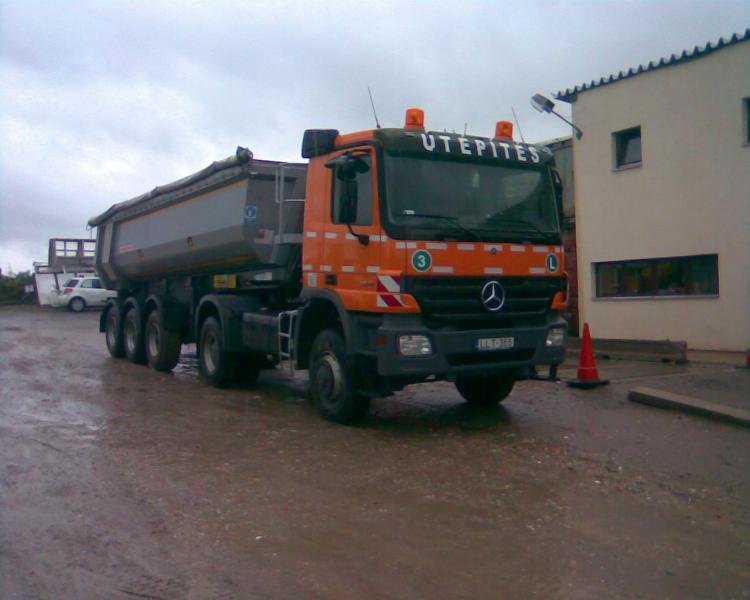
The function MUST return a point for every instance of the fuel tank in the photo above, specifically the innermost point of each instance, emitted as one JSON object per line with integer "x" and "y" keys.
{"x": 237, "y": 214}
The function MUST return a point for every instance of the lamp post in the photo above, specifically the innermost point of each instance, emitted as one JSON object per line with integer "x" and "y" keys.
{"x": 543, "y": 104}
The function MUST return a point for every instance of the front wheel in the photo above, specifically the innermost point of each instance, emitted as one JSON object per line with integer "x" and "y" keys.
{"x": 485, "y": 390}
{"x": 162, "y": 346}
{"x": 333, "y": 382}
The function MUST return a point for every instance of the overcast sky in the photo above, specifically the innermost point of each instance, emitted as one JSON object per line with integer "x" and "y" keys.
{"x": 101, "y": 101}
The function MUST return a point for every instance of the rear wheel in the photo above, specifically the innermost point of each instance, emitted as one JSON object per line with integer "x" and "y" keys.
{"x": 113, "y": 333}
{"x": 485, "y": 390}
{"x": 215, "y": 363}
{"x": 77, "y": 304}
{"x": 133, "y": 338}
{"x": 333, "y": 382}
{"x": 162, "y": 346}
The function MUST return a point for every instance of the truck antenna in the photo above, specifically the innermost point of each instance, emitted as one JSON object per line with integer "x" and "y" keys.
{"x": 377, "y": 123}
{"x": 515, "y": 118}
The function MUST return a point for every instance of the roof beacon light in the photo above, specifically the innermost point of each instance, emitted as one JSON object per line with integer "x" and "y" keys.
{"x": 504, "y": 130}
{"x": 414, "y": 119}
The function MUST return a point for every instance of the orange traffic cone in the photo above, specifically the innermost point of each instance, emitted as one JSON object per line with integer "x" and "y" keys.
{"x": 588, "y": 374}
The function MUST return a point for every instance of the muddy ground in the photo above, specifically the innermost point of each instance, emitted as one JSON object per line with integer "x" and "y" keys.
{"x": 119, "y": 482}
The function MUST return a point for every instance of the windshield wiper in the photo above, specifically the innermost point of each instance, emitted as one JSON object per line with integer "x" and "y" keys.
{"x": 452, "y": 220}
{"x": 532, "y": 227}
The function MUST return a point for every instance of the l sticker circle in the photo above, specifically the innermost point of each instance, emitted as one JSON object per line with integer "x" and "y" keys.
{"x": 552, "y": 263}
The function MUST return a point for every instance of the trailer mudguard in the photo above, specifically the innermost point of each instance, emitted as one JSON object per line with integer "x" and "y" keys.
{"x": 228, "y": 308}
{"x": 171, "y": 312}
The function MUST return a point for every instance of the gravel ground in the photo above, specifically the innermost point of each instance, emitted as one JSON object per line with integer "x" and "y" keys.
{"x": 119, "y": 482}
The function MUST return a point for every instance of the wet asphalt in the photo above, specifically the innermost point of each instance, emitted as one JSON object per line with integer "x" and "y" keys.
{"x": 119, "y": 482}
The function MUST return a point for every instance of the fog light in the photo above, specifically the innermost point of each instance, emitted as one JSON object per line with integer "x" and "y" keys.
{"x": 555, "y": 337}
{"x": 414, "y": 345}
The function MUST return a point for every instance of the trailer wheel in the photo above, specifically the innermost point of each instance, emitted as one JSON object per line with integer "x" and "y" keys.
{"x": 133, "y": 338}
{"x": 162, "y": 346}
{"x": 214, "y": 360}
{"x": 77, "y": 304}
{"x": 113, "y": 333}
{"x": 485, "y": 390}
{"x": 333, "y": 382}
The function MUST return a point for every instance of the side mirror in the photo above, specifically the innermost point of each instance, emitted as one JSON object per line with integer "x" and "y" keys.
{"x": 558, "y": 188}
{"x": 349, "y": 201}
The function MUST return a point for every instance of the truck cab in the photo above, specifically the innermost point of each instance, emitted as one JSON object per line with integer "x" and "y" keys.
{"x": 442, "y": 253}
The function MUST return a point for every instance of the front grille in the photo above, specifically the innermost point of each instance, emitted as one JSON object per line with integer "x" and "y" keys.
{"x": 458, "y": 300}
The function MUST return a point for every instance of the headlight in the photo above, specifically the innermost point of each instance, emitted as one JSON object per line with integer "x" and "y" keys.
{"x": 555, "y": 337}
{"x": 414, "y": 345}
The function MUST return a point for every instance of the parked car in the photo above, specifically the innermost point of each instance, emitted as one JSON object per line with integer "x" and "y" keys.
{"x": 82, "y": 292}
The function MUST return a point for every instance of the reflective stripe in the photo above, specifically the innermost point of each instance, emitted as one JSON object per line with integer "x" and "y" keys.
{"x": 518, "y": 248}
{"x": 386, "y": 283}
{"x": 495, "y": 247}
{"x": 493, "y": 270}
{"x": 437, "y": 246}
{"x": 442, "y": 269}
{"x": 349, "y": 236}
{"x": 537, "y": 271}
{"x": 373, "y": 269}
{"x": 312, "y": 279}
{"x": 541, "y": 249}
{"x": 347, "y": 269}
{"x": 466, "y": 247}
{"x": 312, "y": 234}
{"x": 326, "y": 268}
{"x": 400, "y": 245}
{"x": 411, "y": 245}
{"x": 307, "y": 267}
{"x": 331, "y": 235}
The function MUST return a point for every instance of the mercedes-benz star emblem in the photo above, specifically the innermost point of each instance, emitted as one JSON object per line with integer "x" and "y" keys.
{"x": 493, "y": 296}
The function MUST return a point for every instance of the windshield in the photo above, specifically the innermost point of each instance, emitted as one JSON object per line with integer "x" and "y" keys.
{"x": 462, "y": 199}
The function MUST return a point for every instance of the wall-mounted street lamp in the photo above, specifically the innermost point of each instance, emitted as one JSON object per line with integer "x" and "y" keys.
{"x": 543, "y": 104}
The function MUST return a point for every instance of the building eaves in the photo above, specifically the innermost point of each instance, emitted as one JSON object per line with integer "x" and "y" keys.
{"x": 570, "y": 95}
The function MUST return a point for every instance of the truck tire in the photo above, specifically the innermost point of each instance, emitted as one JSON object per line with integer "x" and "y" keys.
{"x": 215, "y": 362}
{"x": 132, "y": 334}
{"x": 484, "y": 390}
{"x": 162, "y": 346}
{"x": 76, "y": 304}
{"x": 113, "y": 333}
{"x": 333, "y": 382}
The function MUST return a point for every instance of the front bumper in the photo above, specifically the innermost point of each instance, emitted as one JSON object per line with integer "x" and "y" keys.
{"x": 454, "y": 350}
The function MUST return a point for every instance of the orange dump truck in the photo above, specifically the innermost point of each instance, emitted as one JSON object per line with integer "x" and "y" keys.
{"x": 396, "y": 256}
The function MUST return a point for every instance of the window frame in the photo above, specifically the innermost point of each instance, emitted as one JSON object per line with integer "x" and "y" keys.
{"x": 654, "y": 264}
{"x": 617, "y": 138}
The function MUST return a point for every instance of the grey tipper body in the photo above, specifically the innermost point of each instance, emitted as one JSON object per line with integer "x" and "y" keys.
{"x": 237, "y": 214}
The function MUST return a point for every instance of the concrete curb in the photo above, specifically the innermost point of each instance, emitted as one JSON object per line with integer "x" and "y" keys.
{"x": 648, "y": 350}
{"x": 667, "y": 400}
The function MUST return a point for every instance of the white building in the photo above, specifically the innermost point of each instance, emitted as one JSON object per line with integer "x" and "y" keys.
{"x": 662, "y": 199}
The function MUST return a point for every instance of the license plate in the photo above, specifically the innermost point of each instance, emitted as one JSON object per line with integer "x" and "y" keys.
{"x": 498, "y": 343}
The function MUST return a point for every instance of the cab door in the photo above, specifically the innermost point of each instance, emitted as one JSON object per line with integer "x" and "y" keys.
{"x": 353, "y": 236}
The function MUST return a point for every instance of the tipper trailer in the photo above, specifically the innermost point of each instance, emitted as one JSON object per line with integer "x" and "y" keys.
{"x": 395, "y": 256}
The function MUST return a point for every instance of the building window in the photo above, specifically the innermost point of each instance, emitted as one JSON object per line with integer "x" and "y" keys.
{"x": 656, "y": 277}
{"x": 627, "y": 147}
{"x": 746, "y": 121}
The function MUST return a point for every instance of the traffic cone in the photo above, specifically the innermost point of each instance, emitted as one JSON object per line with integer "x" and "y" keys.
{"x": 588, "y": 374}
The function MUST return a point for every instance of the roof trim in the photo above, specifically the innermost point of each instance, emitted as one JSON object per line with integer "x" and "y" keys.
{"x": 570, "y": 95}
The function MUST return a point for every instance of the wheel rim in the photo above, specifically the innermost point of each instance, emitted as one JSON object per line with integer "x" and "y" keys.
{"x": 210, "y": 353}
{"x": 77, "y": 305}
{"x": 154, "y": 341}
{"x": 328, "y": 378}
{"x": 130, "y": 335}
{"x": 111, "y": 333}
